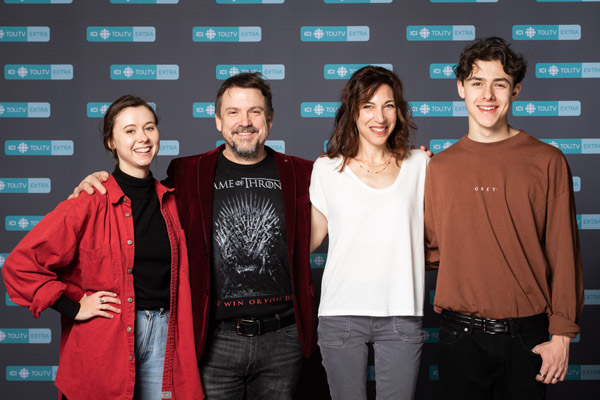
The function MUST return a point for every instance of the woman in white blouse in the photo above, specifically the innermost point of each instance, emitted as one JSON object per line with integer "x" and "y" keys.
{"x": 367, "y": 195}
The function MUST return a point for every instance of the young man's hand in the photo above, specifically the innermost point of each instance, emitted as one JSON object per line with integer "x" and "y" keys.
{"x": 425, "y": 149}
{"x": 555, "y": 359}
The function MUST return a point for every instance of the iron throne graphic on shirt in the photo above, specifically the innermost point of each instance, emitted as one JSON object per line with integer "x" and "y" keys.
{"x": 248, "y": 235}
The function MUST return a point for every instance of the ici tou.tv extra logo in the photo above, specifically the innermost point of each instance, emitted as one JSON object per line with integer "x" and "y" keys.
{"x": 588, "y": 221}
{"x": 334, "y": 33}
{"x": 227, "y": 34}
{"x": 32, "y": 336}
{"x": 204, "y": 110}
{"x": 24, "y": 110}
{"x": 567, "y": 70}
{"x": 438, "y": 108}
{"x": 121, "y": 34}
{"x": 546, "y": 32}
{"x": 31, "y": 373}
{"x": 269, "y": 71}
{"x": 38, "y": 72}
{"x": 440, "y": 32}
{"x": 442, "y": 71}
{"x": 345, "y": 71}
{"x": 583, "y": 373}
{"x": 97, "y": 109}
{"x": 144, "y": 72}
{"x": 592, "y": 297}
{"x": 21, "y": 222}
{"x": 38, "y": 147}
{"x": 546, "y": 108}
{"x": 25, "y": 185}
{"x": 437, "y": 145}
{"x": 24, "y": 34}
{"x": 319, "y": 109}
{"x": 169, "y": 148}
{"x": 575, "y": 146}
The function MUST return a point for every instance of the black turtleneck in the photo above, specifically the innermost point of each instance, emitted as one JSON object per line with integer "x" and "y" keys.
{"x": 152, "y": 263}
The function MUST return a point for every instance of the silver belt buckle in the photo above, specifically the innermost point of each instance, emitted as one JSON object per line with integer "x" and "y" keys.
{"x": 251, "y": 321}
{"x": 491, "y": 321}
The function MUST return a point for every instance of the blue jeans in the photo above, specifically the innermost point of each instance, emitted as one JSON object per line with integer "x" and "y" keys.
{"x": 257, "y": 367}
{"x": 397, "y": 344}
{"x": 150, "y": 342}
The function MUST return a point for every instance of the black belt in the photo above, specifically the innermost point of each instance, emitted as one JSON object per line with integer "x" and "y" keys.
{"x": 494, "y": 326}
{"x": 258, "y": 326}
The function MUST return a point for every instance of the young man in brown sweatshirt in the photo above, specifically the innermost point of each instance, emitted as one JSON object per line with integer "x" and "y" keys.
{"x": 500, "y": 226}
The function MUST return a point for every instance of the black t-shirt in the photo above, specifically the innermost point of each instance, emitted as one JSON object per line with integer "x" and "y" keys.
{"x": 250, "y": 268}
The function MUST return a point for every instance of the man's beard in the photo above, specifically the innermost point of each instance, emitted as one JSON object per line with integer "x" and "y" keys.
{"x": 246, "y": 153}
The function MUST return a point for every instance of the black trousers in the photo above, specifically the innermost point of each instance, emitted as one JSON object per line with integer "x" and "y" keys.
{"x": 480, "y": 366}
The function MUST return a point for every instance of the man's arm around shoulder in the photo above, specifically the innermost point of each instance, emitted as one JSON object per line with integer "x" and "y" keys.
{"x": 91, "y": 184}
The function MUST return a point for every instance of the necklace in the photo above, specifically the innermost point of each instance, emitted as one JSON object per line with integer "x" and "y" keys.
{"x": 384, "y": 165}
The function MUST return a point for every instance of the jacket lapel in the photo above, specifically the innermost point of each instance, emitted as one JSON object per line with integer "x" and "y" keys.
{"x": 287, "y": 177}
{"x": 206, "y": 178}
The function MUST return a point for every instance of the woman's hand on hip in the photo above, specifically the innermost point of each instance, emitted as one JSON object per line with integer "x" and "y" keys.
{"x": 99, "y": 304}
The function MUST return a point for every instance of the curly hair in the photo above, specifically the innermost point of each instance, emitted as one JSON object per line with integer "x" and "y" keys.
{"x": 361, "y": 87}
{"x": 491, "y": 49}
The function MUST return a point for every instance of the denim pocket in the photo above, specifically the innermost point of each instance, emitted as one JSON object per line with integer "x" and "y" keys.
{"x": 333, "y": 331}
{"x": 410, "y": 329}
{"x": 290, "y": 331}
{"x": 450, "y": 334}
{"x": 531, "y": 338}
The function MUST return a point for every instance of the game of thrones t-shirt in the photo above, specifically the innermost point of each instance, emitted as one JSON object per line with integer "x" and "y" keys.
{"x": 249, "y": 269}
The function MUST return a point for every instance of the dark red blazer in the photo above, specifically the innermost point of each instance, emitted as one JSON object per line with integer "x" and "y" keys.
{"x": 193, "y": 180}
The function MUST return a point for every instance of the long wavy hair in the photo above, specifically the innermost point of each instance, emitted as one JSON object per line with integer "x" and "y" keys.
{"x": 359, "y": 89}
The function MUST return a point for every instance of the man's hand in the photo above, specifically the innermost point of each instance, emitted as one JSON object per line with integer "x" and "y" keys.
{"x": 555, "y": 359}
{"x": 91, "y": 182}
{"x": 425, "y": 149}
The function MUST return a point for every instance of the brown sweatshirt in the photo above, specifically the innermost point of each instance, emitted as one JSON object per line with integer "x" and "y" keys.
{"x": 500, "y": 225}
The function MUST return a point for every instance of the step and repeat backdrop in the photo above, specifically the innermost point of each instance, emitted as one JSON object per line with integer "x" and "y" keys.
{"x": 64, "y": 61}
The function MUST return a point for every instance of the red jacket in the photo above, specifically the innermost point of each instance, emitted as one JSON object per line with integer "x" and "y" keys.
{"x": 83, "y": 246}
{"x": 193, "y": 179}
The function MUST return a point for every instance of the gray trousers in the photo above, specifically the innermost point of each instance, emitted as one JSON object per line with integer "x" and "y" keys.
{"x": 397, "y": 343}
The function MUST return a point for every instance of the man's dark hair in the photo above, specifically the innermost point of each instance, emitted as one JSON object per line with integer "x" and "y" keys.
{"x": 246, "y": 80}
{"x": 491, "y": 49}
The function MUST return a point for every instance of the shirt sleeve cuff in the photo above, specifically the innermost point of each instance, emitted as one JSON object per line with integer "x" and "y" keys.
{"x": 66, "y": 306}
{"x": 563, "y": 326}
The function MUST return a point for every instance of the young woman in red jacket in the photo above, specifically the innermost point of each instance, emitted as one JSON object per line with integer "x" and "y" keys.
{"x": 116, "y": 268}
